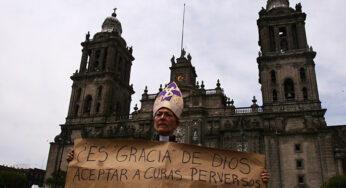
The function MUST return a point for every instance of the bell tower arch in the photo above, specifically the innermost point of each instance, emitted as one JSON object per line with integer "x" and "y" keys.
{"x": 183, "y": 72}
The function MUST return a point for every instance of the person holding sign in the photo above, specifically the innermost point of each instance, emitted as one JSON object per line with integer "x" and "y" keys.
{"x": 167, "y": 109}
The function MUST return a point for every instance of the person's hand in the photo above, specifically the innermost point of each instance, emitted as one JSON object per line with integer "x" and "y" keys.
{"x": 69, "y": 156}
{"x": 265, "y": 176}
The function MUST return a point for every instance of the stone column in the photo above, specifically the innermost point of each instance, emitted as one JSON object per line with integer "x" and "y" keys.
{"x": 338, "y": 158}
{"x": 302, "y": 42}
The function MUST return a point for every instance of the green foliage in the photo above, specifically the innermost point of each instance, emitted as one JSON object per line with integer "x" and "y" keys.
{"x": 2, "y": 181}
{"x": 57, "y": 179}
{"x": 13, "y": 179}
{"x": 336, "y": 182}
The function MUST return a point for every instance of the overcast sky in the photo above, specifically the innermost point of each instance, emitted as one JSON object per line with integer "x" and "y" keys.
{"x": 40, "y": 49}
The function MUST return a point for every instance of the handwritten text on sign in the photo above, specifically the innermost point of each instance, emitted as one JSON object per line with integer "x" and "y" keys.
{"x": 130, "y": 163}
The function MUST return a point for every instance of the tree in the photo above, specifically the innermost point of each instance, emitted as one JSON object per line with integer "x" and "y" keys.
{"x": 57, "y": 180}
{"x": 336, "y": 182}
{"x": 2, "y": 181}
{"x": 13, "y": 179}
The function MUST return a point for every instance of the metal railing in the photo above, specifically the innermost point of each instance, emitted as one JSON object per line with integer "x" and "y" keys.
{"x": 247, "y": 110}
{"x": 151, "y": 96}
{"x": 210, "y": 91}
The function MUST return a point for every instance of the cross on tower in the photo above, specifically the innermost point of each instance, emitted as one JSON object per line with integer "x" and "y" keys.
{"x": 114, "y": 14}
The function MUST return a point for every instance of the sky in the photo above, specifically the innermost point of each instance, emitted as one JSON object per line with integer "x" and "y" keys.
{"x": 40, "y": 49}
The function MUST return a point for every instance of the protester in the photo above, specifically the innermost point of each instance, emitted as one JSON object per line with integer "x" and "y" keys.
{"x": 167, "y": 110}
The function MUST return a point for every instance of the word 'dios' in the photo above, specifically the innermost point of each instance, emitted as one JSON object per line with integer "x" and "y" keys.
{"x": 129, "y": 163}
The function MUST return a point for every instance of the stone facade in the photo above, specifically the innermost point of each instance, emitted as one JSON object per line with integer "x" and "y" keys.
{"x": 290, "y": 129}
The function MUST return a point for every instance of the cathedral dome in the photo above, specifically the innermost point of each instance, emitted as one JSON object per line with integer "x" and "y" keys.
{"x": 277, "y": 3}
{"x": 112, "y": 24}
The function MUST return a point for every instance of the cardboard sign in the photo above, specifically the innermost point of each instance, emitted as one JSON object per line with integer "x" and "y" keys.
{"x": 141, "y": 164}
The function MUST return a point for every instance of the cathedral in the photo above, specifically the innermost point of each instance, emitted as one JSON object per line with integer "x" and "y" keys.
{"x": 289, "y": 128}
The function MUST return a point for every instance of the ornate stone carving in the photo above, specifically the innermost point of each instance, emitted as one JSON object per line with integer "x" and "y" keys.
{"x": 228, "y": 124}
{"x": 299, "y": 7}
{"x": 93, "y": 132}
{"x": 180, "y": 134}
{"x": 173, "y": 60}
{"x": 195, "y": 137}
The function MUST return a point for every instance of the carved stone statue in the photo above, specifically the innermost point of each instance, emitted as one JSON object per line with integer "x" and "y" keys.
{"x": 173, "y": 60}
{"x": 180, "y": 134}
{"x": 189, "y": 57}
{"x": 195, "y": 136}
{"x": 183, "y": 52}
{"x": 130, "y": 50}
{"x": 299, "y": 7}
{"x": 87, "y": 36}
{"x": 262, "y": 12}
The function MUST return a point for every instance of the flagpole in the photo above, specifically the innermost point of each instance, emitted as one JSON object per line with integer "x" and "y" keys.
{"x": 182, "y": 32}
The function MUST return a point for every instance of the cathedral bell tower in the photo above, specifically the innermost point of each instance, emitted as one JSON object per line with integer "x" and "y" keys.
{"x": 183, "y": 73}
{"x": 101, "y": 86}
{"x": 286, "y": 62}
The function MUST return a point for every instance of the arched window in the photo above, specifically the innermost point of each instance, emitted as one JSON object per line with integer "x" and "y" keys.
{"x": 272, "y": 39}
{"x": 275, "y": 95}
{"x": 88, "y": 60}
{"x": 302, "y": 74}
{"x": 120, "y": 65}
{"x": 273, "y": 76}
{"x": 76, "y": 108}
{"x": 104, "y": 58}
{"x": 96, "y": 66}
{"x": 79, "y": 92}
{"x": 283, "y": 39}
{"x": 87, "y": 67}
{"x": 283, "y": 45}
{"x": 105, "y": 53}
{"x": 289, "y": 89}
{"x": 99, "y": 91}
{"x": 103, "y": 66}
{"x": 295, "y": 36}
{"x": 87, "y": 104}
{"x": 111, "y": 109}
{"x": 97, "y": 54}
{"x": 98, "y": 107}
{"x": 305, "y": 93}
{"x": 118, "y": 108}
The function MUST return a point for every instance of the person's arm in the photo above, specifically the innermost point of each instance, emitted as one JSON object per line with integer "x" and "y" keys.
{"x": 265, "y": 176}
{"x": 69, "y": 156}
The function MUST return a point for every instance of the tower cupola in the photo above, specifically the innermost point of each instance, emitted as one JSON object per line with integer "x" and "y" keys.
{"x": 112, "y": 24}
{"x": 277, "y": 3}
